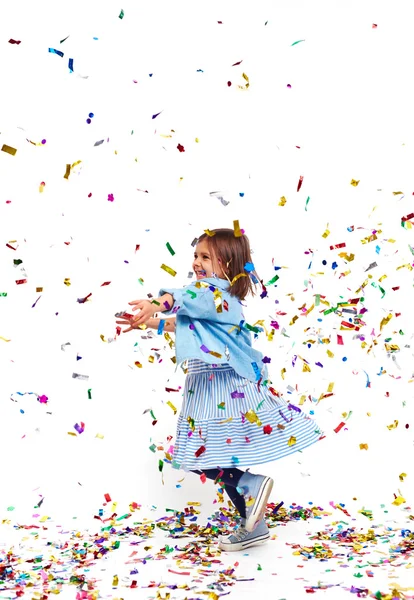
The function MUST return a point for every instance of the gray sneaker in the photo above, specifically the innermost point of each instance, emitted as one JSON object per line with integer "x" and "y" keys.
{"x": 241, "y": 539}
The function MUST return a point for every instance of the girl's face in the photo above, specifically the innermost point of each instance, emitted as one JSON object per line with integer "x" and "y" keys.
{"x": 204, "y": 264}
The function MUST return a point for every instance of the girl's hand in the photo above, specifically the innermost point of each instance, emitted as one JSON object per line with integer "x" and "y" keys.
{"x": 147, "y": 311}
{"x": 127, "y": 321}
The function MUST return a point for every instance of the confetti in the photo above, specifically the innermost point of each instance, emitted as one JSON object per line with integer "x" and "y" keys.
{"x": 170, "y": 249}
{"x": 9, "y": 149}
{"x": 58, "y": 52}
{"x": 169, "y": 270}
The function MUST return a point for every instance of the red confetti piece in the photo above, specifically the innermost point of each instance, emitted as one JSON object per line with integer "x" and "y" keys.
{"x": 107, "y": 497}
{"x": 200, "y": 451}
{"x": 229, "y": 83}
{"x": 180, "y": 148}
{"x": 339, "y": 340}
{"x": 300, "y": 181}
{"x": 338, "y": 429}
{"x": 203, "y": 477}
{"x": 267, "y": 429}
{"x": 237, "y": 63}
{"x": 106, "y": 283}
{"x": 14, "y": 41}
{"x": 408, "y": 217}
{"x": 228, "y": 441}
{"x": 179, "y": 572}
{"x": 343, "y": 245}
{"x": 374, "y": 26}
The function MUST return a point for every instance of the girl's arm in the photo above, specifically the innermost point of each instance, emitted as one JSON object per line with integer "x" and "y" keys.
{"x": 169, "y": 324}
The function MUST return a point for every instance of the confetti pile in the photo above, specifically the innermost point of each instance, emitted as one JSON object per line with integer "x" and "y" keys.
{"x": 69, "y": 560}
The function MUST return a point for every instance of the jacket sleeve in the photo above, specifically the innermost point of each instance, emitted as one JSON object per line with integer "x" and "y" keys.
{"x": 199, "y": 303}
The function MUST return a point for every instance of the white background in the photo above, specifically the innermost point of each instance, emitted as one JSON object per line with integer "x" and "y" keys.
{"x": 349, "y": 109}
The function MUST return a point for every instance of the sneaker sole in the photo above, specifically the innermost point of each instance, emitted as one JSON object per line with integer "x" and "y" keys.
{"x": 260, "y": 539}
{"x": 261, "y": 502}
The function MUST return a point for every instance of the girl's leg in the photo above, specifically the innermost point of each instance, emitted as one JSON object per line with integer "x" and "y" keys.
{"x": 230, "y": 479}
{"x": 237, "y": 499}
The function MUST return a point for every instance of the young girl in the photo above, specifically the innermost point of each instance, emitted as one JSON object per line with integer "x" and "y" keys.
{"x": 229, "y": 418}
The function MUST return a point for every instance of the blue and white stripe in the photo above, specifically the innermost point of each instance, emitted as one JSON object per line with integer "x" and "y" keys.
{"x": 206, "y": 387}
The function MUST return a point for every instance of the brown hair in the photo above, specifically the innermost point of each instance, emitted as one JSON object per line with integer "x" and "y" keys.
{"x": 232, "y": 253}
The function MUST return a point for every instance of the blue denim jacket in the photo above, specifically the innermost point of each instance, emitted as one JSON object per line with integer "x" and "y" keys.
{"x": 210, "y": 327}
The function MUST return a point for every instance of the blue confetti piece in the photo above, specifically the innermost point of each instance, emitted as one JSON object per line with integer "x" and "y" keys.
{"x": 71, "y": 65}
{"x": 53, "y": 51}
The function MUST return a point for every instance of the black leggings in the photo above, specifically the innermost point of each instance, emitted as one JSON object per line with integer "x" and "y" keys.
{"x": 230, "y": 479}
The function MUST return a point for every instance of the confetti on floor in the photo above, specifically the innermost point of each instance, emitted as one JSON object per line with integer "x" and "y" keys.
{"x": 124, "y": 553}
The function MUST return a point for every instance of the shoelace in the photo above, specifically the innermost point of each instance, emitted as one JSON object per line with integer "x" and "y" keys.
{"x": 240, "y": 533}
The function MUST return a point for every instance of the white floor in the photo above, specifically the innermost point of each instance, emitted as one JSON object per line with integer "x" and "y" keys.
{"x": 285, "y": 568}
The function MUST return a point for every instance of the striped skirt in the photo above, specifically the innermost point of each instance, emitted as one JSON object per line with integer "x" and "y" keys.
{"x": 226, "y": 421}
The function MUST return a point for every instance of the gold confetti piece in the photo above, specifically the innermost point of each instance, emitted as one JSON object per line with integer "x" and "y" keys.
{"x": 402, "y": 475}
{"x": 209, "y": 233}
{"x": 391, "y": 348}
{"x": 326, "y": 233}
{"x": 302, "y": 400}
{"x": 171, "y": 405}
{"x": 354, "y": 182}
{"x": 226, "y": 421}
{"x": 252, "y": 417}
{"x": 237, "y": 230}
{"x": 4, "y": 339}
{"x": 9, "y": 149}
{"x": 399, "y": 500}
{"x": 244, "y": 87}
{"x": 330, "y": 354}
{"x": 347, "y": 257}
{"x": 237, "y": 277}
{"x": 169, "y": 270}
{"x": 305, "y": 368}
{"x": 363, "y": 446}
{"x": 100, "y": 436}
{"x": 67, "y": 172}
{"x": 197, "y": 140}
{"x": 193, "y": 503}
{"x": 292, "y": 440}
{"x": 385, "y": 320}
{"x": 103, "y": 338}
{"x": 397, "y": 193}
{"x": 282, "y": 373}
{"x": 44, "y": 519}
{"x": 138, "y": 364}
{"x": 67, "y": 281}
{"x": 294, "y": 319}
{"x": 393, "y": 425}
{"x": 282, "y": 201}
{"x": 218, "y": 301}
